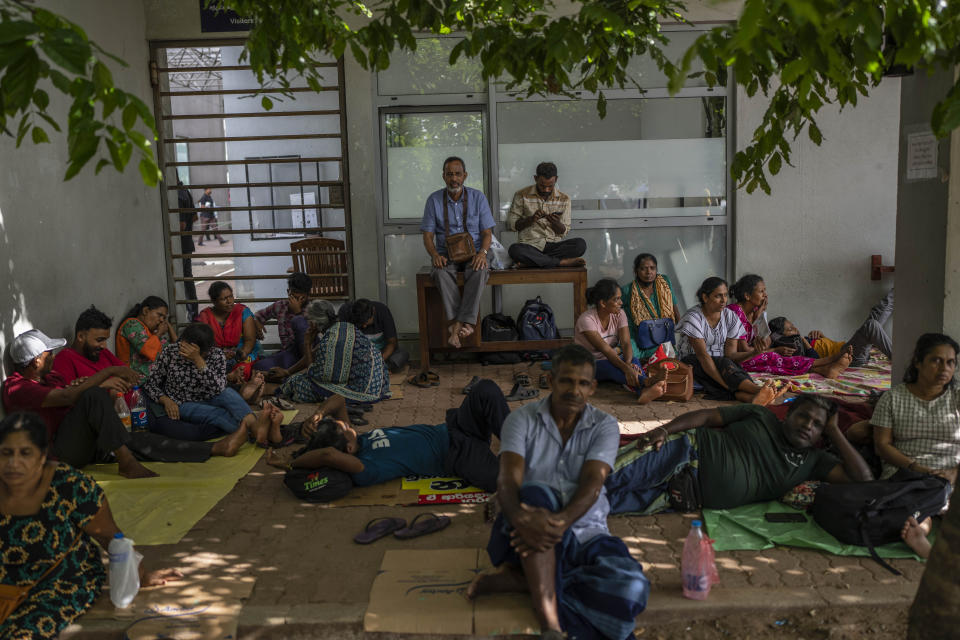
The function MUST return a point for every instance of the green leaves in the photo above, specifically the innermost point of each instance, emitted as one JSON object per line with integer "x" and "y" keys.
{"x": 38, "y": 46}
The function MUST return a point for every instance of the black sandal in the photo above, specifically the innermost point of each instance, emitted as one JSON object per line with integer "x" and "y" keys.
{"x": 470, "y": 385}
{"x": 520, "y": 392}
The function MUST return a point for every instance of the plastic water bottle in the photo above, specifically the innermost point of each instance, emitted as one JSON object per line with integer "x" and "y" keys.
{"x": 124, "y": 571}
{"x": 138, "y": 410}
{"x": 123, "y": 411}
{"x": 697, "y": 567}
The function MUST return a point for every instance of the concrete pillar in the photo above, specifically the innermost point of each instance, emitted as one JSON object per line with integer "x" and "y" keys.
{"x": 928, "y": 224}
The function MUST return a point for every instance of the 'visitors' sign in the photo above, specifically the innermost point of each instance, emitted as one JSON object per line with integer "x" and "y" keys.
{"x": 215, "y": 18}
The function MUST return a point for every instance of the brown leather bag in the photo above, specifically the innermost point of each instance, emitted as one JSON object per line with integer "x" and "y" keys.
{"x": 679, "y": 379}
{"x": 460, "y": 246}
{"x": 12, "y": 596}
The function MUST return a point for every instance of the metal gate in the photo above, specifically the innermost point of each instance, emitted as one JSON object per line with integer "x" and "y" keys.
{"x": 251, "y": 181}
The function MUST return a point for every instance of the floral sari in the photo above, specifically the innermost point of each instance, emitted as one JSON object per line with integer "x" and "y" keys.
{"x": 769, "y": 361}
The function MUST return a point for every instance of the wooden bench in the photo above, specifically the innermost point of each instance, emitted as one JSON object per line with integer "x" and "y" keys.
{"x": 433, "y": 323}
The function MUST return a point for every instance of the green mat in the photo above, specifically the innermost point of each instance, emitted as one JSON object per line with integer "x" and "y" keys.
{"x": 162, "y": 510}
{"x": 744, "y": 528}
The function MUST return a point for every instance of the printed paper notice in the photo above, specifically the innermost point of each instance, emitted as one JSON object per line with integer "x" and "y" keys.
{"x": 921, "y": 156}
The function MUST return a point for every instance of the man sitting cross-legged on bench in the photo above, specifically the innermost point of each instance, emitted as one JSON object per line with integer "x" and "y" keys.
{"x": 753, "y": 458}
{"x": 460, "y": 446}
{"x": 551, "y": 538}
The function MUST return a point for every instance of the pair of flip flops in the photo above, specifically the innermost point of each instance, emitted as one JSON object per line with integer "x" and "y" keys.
{"x": 382, "y": 527}
{"x": 425, "y": 379}
{"x": 281, "y": 403}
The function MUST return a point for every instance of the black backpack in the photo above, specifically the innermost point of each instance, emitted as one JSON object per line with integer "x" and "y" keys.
{"x": 318, "y": 485}
{"x": 870, "y": 514}
{"x": 535, "y": 321}
{"x": 497, "y": 327}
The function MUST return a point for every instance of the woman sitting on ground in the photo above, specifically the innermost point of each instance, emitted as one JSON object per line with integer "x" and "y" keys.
{"x": 750, "y": 293}
{"x": 50, "y": 516}
{"x": 649, "y": 296}
{"x": 603, "y": 330}
{"x": 144, "y": 332}
{"x": 916, "y": 425}
{"x": 708, "y": 336}
{"x": 344, "y": 361}
{"x": 235, "y": 332}
{"x": 188, "y": 382}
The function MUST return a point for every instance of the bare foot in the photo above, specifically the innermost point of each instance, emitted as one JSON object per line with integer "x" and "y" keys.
{"x": 766, "y": 395}
{"x": 228, "y": 447}
{"x": 278, "y": 459}
{"x": 572, "y": 262}
{"x": 915, "y": 535}
{"x": 133, "y": 469}
{"x": 466, "y": 330}
{"x": 504, "y": 579}
{"x": 252, "y": 390}
{"x": 261, "y": 427}
{"x": 651, "y": 393}
{"x": 274, "y": 434}
{"x": 838, "y": 366}
{"x": 454, "y": 331}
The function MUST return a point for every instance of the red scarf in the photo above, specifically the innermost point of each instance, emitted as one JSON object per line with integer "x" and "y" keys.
{"x": 226, "y": 336}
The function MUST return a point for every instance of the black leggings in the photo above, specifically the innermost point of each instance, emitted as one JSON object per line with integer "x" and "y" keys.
{"x": 470, "y": 426}
{"x": 732, "y": 373}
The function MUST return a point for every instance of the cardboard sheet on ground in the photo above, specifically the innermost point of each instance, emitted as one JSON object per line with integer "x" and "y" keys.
{"x": 383, "y": 494}
{"x": 423, "y": 592}
{"x": 195, "y": 608}
{"x": 162, "y": 510}
{"x": 744, "y": 528}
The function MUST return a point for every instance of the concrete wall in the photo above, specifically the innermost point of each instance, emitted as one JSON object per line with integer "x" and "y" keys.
{"x": 922, "y": 219}
{"x": 812, "y": 239}
{"x": 94, "y": 239}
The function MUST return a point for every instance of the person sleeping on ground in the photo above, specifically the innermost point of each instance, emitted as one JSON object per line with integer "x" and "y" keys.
{"x": 707, "y": 336}
{"x": 459, "y": 447}
{"x": 82, "y": 425}
{"x": 750, "y": 293}
{"x": 551, "y": 538}
{"x": 188, "y": 384}
{"x": 603, "y": 330}
{"x": 50, "y": 516}
{"x": 291, "y": 326}
{"x": 730, "y": 456}
{"x": 143, "y": 333}
{"x": 868, "y": 335}
{"x": 916, "y": 425}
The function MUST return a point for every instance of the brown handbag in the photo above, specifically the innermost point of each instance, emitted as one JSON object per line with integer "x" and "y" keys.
{"x": 460, "y": 247}
{"x": 679, "y": 379}
{"x": 12, "y": 596}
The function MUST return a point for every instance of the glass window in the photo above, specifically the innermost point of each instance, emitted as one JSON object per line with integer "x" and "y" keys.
{"x": 183, "y": 155}
{"x": 416, "y": 146}
{"x": 428, "y": 71}
{"x": 646, "y": 158}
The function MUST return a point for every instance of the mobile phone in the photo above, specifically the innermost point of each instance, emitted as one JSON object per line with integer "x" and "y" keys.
{"x": 784, "y": 517}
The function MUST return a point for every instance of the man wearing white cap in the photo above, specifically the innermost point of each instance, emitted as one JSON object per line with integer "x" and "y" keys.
{"x": 81, "y": 422}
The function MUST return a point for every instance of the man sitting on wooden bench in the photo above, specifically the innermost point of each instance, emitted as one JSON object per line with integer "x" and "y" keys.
{"x": 453, "y": 211}
{"x": 540, "y": 214}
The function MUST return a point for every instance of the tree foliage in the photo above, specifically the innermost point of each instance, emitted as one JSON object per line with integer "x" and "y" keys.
{"x": 40, "y": 51}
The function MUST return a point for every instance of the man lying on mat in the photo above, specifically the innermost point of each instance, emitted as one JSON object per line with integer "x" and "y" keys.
{"x": 460, "y": 446}
{"x": 753, "y": 458}
{"x": 551, "y": 537}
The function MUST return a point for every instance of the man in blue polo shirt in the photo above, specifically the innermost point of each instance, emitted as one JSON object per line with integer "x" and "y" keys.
{"x": 443, "y": 212}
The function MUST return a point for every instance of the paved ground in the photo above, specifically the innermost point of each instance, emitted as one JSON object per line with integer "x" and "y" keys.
{"x": 313, "y": 582}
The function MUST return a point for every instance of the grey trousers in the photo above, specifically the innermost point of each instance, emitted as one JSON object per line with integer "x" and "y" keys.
{"x": 397, "y": 360}
{"x": 871, "y": 332}
{"x": 467, "y": 308}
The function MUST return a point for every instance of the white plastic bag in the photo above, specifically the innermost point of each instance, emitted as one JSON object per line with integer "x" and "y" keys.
{"x": 498, "y": 257}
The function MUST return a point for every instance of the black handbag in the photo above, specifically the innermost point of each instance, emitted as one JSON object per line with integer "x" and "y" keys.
{"x": 653, "y": 333}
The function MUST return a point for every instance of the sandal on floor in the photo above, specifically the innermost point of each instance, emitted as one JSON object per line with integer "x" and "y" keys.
{"x": 522, "y": 379}
{"x": 420, "y": 380}
{"x": 378, "y": 528}
{"x": 544, "y": 382}
{"x": 519, "y": 392}
{"x": 470, "y": 385}
{"x": 423, "y": 527}
{"x": 281, "y": 403}
{"x": 358, "y": 421}
{"x": 433, "y": 377}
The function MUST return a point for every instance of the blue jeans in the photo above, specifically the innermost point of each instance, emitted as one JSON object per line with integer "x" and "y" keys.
{"x": 639, "y": 480}
{"x": 608, "y": 372}
{"x": 224, "y": 411}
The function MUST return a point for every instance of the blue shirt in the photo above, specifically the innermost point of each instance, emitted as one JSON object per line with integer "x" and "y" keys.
{"x": 532, "y": 433}
{"x": 417, "y": 450}
{"x": 479, "y": 217}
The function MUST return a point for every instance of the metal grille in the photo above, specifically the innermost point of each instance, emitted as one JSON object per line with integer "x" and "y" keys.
{"x": 254, "y": 182}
